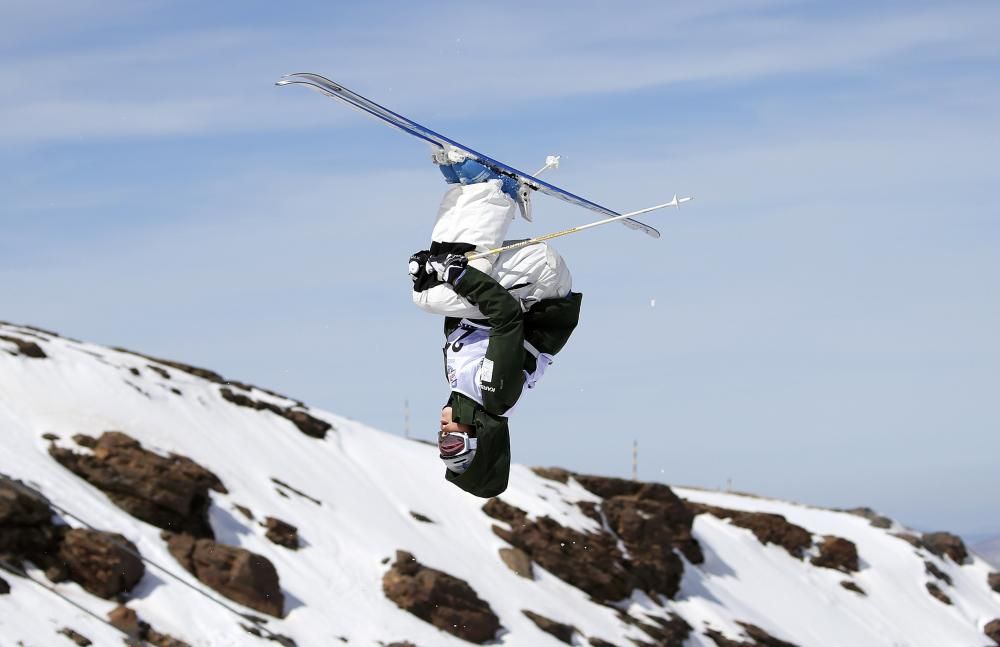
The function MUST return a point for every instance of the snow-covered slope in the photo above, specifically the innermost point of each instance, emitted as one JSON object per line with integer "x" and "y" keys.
{"x": 363, "y": 485}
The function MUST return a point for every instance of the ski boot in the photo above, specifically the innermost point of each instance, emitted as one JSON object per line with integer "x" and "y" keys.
{"x": 458, "y": 168}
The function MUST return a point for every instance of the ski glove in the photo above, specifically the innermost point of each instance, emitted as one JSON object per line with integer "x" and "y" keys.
{"x": 449, "y": 268}
{"x": 418, "y": 263}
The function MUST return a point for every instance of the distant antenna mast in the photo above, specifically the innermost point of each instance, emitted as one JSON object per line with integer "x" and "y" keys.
{"x": 406, "y": 418}
{"x": 635, "y": 460}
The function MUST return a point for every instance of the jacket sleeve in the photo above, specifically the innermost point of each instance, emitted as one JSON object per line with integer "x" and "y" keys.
{"x": 502, "y": 371}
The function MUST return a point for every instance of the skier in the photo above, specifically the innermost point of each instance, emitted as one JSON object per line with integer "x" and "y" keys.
{"x": 506, "y": 316}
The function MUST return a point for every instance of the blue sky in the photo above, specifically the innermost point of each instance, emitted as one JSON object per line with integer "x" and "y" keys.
{"x": 825, "y": 313}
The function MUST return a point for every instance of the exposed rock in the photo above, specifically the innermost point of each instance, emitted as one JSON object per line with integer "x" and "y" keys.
{"x": 936, "y": 572}
{"x": 768, "y": 528}
{"x": 159, "y": 371}
{"x": 27, "y": 531}
{"x": 672, "y": 632}
{"x": 553, "y": 473}
{"x": 50, "y": 436}
{"x": 912, "y": 540}
{"x": 83, "y": 440}
{"x": 851, "y": 586}
{"x": 4, "y": 587}
{"x": 288, "y": 487}
{"x": 758, "y": 638}
{"x": 607, "y": 487}
{"x": 518, "y": 561}
{"x": 589, "y": 508}
{"x": 873, "y": 517}
{"x": 837, "y": 553}
{"x": 936, "y": 591}
{"x": 243, "y": 510}
{"x": 993, "y": 580}
{"x": 443, "y": 600}
{"x": 203, "y": 373}
{"x": 945, "y": 543}
{"x": 590, "y": 562}
{"x": 125, "y": 620}
{"x": 562, "y": 632}
{"x": 282, "y": 533}
{"x": 238, "y": 574}
{"x": 100, "y": 563}
{"x": 167, "y": 492}
{"x": 306, "y": 423}
{"x": 76, "y": 637}
{"x": 420, "y": 517}
{"x": 405, "y": 643}
{"x": 25, "y": 347}
{"x": 992, "y": 630}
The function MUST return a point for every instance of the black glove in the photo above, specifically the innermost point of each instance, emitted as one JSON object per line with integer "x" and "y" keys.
{"x": 418, "y": 263}
{"x": 449, "y": 268}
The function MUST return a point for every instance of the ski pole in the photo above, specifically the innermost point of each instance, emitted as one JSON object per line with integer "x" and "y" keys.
{"x": 676, "y": 202}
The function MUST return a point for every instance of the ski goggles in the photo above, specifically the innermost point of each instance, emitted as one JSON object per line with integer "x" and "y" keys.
{"x": 457, "y": 449}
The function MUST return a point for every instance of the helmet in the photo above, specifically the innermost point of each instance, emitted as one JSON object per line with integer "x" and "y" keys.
{"x": 457, "y": 450}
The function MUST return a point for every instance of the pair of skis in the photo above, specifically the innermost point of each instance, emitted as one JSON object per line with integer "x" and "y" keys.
{"x": 372, "y": 109}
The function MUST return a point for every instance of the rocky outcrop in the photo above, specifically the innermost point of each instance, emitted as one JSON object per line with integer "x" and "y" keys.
{"x": 282, "y": 533}
{"x": 305, "y": 423}
{"x": 851, "y": 586}
{"x": 168, "y": 492}
{"x": 127, "y": 621}
{"x": 992, "y": 630}
{"x": 553, "y": 474}
{"x": 837, "y": 553}
{"x": 993, "y": 580}
{"x": 768, "y": 528}
{"x": 25, "y": 347}
{"x": 560, "y": 631}
{"x": 26, "y": 528}
{"x": 443, "y": 600}
{"x": 647, "y": 518}
{"x": 238, "y": 574}
{"x": 672, "y": 631}
{"x": 945, "y": 543}
{"x": 874, "y": 518}
{"x": 934, "y": 571}
{"x": 76, "y": 637}
{"x": 104, "y": 564}
{"x": 518, "y": 561}
{"x": 4, "y": 587}
{"x": 422, "y": 518}
{"x": 757, "y": 638}
{"x": 936, "y": 592}
{"x": 589, "y": 561}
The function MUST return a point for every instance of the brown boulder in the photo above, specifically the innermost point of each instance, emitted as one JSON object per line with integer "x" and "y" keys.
{"x": 945, "y": 543}
{"x": 168, "y": 492}
{"x": 874, "y": 518}
{"x": 590, "y": 562}
{"x": 557, "y": 474}
{"x": 666, "y": 632}
{"x": 757, "y": 638}
{"x": 238, "y": 574}
{"x": 4, "y": 587}
{"x": 936, "y": 591}
{"x": 768, "y": 528}
{"x": 75, "y": 636}
{"x": 305, "y": 423}
{"x": 100, "y": 563}
{"x": 562, "y": 632}
{"x": 931, "y": 569}
{"x": 27, "y": 531}
{"x": 127, "y": 621}
{"x": 992, "y": 630}
{"x": 282, "y": 533}
{"x": 993, "y": 580}
{"x": 837, "y": 553}
{"x": 443, "y": 600}
{"x": 518, "y": 561}
{"x": 25, "y": 347}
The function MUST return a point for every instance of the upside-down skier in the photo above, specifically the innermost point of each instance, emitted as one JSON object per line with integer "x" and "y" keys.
{"x": 506, "y": 316}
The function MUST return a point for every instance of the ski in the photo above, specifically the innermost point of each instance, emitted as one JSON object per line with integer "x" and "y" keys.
{"x": 372, "y": 109}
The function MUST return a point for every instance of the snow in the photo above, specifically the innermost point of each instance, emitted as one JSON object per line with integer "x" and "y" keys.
{"x": 367, "y": 483}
